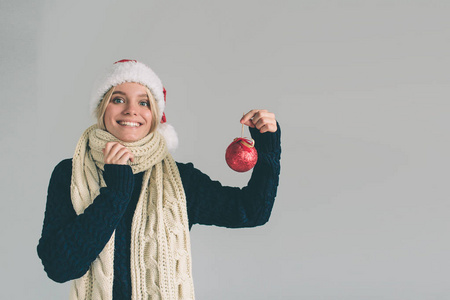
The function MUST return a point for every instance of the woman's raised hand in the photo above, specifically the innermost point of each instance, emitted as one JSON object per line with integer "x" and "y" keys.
{"x": 262, "y": 119}
{"x": 116, "y": 154}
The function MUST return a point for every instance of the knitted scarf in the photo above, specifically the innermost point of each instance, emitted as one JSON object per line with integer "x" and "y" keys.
{"x": 160, "y": 245}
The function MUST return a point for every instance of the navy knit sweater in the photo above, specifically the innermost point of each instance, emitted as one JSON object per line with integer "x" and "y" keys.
{"x": 71, "y": 242}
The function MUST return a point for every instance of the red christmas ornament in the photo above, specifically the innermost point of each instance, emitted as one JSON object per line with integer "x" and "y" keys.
{"x": 241, "y": 154}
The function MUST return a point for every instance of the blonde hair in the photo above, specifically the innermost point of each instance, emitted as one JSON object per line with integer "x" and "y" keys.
{"x": 101, "y": 109}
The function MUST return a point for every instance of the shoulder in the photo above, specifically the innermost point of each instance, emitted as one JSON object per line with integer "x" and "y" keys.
{"x": 185, "y": 169}
{"x": 62, "y": 173}
{"x": 189, "y": 174}
{"x": 64, "y": 166}
{"x": 65, "y": 163}
{"x": 184, "y": 166}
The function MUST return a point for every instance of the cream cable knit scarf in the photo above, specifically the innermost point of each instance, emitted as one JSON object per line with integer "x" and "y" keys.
{"x": 160, "y": 245}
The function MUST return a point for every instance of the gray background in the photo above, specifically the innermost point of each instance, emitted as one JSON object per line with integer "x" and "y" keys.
{"x": 360, "y": 89}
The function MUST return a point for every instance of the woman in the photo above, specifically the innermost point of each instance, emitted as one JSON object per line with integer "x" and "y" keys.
{"x": 119, "y": 212}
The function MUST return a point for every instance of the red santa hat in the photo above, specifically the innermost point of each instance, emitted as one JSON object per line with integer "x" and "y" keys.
{"x": 127, "y": 70}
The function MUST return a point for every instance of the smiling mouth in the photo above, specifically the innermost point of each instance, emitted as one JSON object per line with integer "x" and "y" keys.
{"x": 129, "y": 124}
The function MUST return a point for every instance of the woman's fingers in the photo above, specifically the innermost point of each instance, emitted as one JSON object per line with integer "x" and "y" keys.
{"x": 123, "y": 159}
{"x": 111, "y": 150}
{"x": 115, "y": 153}
{"x": 247, "y": 118}
{"x": 262, "y": 119}
{"x": 120, "y": 157}
{"x": 266, "y": 123}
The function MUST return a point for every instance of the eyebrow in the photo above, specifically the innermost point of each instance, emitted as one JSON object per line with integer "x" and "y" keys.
{"x": 122, "y": 93}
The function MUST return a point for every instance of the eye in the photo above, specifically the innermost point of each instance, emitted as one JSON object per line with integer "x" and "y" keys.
{"x": 117, "y": 100}
{"x": 144, "y": 103}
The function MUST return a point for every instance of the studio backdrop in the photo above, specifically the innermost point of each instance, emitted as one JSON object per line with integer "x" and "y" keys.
{"x": 359, "y": 88}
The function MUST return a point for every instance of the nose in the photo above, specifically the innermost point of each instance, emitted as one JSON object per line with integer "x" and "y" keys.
{"x": 130, "y": 108}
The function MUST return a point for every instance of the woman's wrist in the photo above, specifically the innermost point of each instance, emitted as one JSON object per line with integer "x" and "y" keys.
{"x": 268, "y": 141}
{"x": 119, "y": 177}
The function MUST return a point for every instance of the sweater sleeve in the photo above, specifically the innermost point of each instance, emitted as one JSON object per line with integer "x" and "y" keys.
{"x": 210, "y": 203}
{"x": 71, "y": 242}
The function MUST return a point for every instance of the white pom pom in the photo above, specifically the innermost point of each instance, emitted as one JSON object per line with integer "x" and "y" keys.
{"x": 170, "y": 135}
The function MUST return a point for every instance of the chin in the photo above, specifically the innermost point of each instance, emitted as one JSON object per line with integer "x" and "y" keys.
{"x": 130, "y": 139}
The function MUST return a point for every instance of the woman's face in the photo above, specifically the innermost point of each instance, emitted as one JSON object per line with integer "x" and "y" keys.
{"x": 128, "y": 116}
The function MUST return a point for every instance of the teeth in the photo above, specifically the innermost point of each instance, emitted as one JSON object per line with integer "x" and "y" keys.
{"x": 132, "y": 124}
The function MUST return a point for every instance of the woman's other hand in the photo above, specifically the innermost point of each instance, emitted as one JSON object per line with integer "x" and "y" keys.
{"x": 262, "y": 119}
{"x": 116, "y": 154}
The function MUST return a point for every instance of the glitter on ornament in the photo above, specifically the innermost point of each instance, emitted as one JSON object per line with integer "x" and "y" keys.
{"x": 241, "y": 154}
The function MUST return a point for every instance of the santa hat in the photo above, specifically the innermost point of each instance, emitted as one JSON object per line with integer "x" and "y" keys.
{"x": 127, "y": 70}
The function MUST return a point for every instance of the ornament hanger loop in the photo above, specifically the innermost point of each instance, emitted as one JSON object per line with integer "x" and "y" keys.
{"x": 245, "y": 141}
